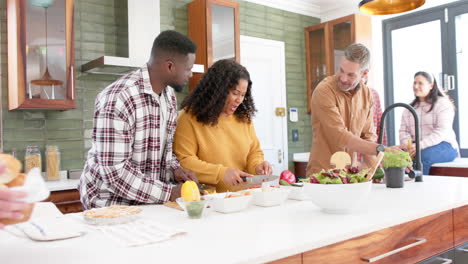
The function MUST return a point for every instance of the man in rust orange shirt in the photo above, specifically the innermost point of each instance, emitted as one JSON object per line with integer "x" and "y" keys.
{"x": 342, "y": 113}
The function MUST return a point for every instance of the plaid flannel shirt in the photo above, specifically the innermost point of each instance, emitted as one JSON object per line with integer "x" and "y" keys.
{"x": 378, "y": 115}
{"x": 126, "y": 163}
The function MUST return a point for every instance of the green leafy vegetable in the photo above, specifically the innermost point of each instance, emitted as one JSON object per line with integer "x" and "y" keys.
{"x": 397, "y": 159}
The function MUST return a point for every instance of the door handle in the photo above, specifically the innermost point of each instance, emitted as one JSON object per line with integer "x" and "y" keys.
{"x": 389, "y": 253}
{"x": 445, "y": 85}
{"x": 445, "y": 260}
{"x": 280, "y": 156}
{"x": 451, "y": 82}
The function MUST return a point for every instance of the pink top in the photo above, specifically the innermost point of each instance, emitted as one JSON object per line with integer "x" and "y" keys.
{"x": 436, "y": 125}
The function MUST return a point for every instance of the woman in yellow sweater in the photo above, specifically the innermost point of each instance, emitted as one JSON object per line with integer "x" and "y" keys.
{"x": 215, "y": 136}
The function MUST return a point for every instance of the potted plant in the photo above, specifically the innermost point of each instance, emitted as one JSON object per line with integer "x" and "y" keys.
{"x": 395, "y": 162}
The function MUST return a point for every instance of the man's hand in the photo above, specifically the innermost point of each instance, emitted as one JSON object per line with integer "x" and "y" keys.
{"x": 9, "y": 207}
{"x": 264, "y": 168}
{"x": 233, "y": 177}
{"x": 176, "y": 192}
{"x": 182, "y": 175}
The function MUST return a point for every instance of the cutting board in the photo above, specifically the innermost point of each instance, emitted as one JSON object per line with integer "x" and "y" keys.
{"x": 173, "y": 205}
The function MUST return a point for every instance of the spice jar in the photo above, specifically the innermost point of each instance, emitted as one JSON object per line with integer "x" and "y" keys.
{"x": 52, "y": 163}
{"x": 32, "y": 158}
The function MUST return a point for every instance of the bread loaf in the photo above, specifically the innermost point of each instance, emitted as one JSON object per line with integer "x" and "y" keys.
{"x": 11, "y": 178}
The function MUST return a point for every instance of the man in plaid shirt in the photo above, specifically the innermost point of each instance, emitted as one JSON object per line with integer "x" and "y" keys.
{"x": 131, "y": 160}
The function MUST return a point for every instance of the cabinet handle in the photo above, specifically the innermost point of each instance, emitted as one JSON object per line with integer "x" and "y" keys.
{"x": 72, "y": 79}
{"x": 463, "y": 249}
{"x": 389, "y": 253}
{"x": 445, "y": 260}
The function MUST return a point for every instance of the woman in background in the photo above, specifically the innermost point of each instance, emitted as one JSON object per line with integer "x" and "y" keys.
{"x": 215, "y": 136}
{"x": 436, "y": 114}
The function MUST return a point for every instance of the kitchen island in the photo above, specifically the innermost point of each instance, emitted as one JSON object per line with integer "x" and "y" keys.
{"x": 295, "y": 229}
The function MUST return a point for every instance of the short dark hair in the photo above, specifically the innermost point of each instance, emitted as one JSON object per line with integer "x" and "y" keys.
{"x": 172, "y": 42}
{"x": 207, "y": 101}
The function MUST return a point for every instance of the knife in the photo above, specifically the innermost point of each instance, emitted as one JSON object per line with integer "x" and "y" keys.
{"x": 259, "y": 179}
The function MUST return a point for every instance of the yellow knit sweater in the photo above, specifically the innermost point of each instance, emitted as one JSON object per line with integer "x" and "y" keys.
{"x": 209, "y": 151}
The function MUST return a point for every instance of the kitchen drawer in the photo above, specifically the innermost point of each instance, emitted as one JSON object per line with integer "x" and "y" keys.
{"x": 460, "y": 222}
{"x": 69, "y": 207}
{"x": 296, "y": 259}
{"x": 64, "y": 196}
{"x": 461, "y": 254}
{"x": 436, "y": 230}
{"x": 448, "y": 257}
{"x": 67, "y": 201}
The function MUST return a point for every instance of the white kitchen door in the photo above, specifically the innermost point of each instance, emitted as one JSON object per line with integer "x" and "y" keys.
{"x": 264, "y": 59}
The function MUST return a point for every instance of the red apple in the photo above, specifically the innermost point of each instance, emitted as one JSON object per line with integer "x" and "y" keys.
{"x": 288, "y": 176}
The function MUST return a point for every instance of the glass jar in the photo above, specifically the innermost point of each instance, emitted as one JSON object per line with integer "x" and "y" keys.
{"x": 52, "y": 163}
{"x": 32, "y": 159}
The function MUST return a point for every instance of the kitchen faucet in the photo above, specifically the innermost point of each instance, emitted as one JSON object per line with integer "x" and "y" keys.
{"x": 417, "y": 170}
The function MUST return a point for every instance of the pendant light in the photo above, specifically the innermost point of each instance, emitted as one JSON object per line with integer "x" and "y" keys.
{"x": 46, "y": 79}
{"x": 387, "y": 7}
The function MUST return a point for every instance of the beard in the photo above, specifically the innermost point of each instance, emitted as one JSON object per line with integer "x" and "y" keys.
{"x": 177, "y": 87}
{"x": 351, "y": 86}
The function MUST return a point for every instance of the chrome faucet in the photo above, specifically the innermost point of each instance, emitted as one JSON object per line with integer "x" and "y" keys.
{"x": 417, "y": 169}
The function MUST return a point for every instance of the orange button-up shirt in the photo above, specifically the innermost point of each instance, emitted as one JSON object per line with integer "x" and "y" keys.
{"x": 337, "y": 116}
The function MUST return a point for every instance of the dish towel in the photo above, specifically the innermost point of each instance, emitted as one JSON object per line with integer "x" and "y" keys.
{"x": 140, "y": 232}
{"x": 47, "y": 229}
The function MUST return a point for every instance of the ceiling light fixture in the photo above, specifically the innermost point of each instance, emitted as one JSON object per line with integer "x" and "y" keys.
{"x": 387, "y": 7}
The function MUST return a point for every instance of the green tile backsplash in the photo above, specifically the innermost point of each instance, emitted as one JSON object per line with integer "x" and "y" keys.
{"x": 99, "y": 30}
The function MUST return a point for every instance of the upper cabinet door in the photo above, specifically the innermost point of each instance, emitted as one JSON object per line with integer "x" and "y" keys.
{"x": 325, "y": 45}
{"x": 41, "y": 54}
{"x": 214, "y": 26}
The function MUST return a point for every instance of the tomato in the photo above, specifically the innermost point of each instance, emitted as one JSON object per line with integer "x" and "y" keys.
{"x": 288, "y": 176}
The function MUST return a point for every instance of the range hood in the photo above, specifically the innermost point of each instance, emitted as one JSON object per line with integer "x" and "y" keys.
{"x": 143, "y": 27}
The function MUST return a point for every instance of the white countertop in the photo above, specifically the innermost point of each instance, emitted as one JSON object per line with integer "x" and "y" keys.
{"x": 301, "y": 157}
{"x": 457, "y": 163}
{"x": 256, "y": 235}
{"x": 61, "y": 185}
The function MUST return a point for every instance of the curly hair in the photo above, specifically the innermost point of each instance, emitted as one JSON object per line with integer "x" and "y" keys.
{"x": 207, "y": 101}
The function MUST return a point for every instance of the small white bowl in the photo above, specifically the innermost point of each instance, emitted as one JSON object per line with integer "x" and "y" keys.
{"x": 271, "y": 197}
{"x": 295, "y": 193}
{"x": 229, "y": 205}
{"x": 338, "y": 198}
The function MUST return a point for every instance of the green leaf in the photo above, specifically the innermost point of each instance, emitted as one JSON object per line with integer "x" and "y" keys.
{"x": 396, "y": 158}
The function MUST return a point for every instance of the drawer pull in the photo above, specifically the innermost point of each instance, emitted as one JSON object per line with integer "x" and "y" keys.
{"x": 445, "y": 260}
{"x": 384, "y": 255}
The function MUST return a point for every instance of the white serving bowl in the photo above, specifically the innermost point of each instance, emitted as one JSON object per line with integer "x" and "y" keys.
{"x": 270, "y": 197}
{"x": 338, "y": 198}
{"x": 229, "y": 205}
{"x": 295, "y": 193}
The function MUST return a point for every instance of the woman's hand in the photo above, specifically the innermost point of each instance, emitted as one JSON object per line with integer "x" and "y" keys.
{"x": 233, "y": 177}
{"x": 264, "y": 168}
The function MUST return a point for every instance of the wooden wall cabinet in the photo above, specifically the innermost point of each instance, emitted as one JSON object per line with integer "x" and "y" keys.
{"x": 214, "y": 26}
{"x": 325, "y": 44}
{"x": 41, "y": 54}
